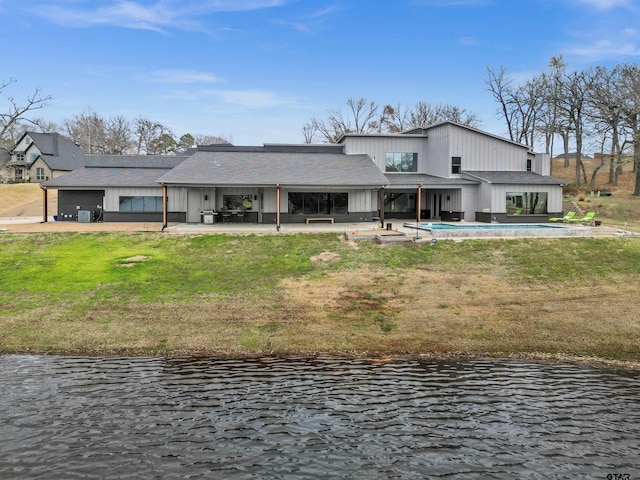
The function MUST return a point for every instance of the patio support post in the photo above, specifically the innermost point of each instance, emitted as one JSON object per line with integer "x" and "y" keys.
{"x": 381, "y": 205}
{"x": 45, "y": 204}
{"x": 278, "y": 207}
{"x": 419, "y": 203}
{"x": 164, "y": 206}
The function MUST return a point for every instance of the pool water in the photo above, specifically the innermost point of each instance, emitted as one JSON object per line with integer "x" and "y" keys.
{"x": 491, "y": 226}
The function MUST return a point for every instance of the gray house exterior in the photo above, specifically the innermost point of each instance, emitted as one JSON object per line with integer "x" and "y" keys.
{"x": 39, "y": 157}
{"x": 446, "y": 172}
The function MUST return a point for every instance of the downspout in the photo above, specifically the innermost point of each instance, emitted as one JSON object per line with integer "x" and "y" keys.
{"x": 381, "y": 205}
{"x": 45, "y": 204}
{"x": 278, "y": 207}
{"x": 419, "y": 202}
{"x": 164, "y": 206}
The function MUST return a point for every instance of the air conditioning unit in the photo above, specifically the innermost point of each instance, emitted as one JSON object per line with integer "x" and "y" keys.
{"x": 85, "y": 216}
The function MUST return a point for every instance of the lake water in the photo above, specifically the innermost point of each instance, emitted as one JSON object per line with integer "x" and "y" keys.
{"x": 143, "y": 418}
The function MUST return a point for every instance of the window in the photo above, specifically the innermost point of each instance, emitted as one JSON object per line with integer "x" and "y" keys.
{"x": 34, "y": 156}
{"x": 140, "y": 204}
{"x": 19, "y": 157}
{"x": 528, "y": 164}
{"x": 398, "y": 202}
{"x": 39, "y": 173}
{"x": 28, "y": 140}
{"x": 526, "y": 203}
{"x": 456, "y": 164}
{"x": 237, "y": 202}
{"x": 311, "y": 203}
{"x": 401, "y": 162}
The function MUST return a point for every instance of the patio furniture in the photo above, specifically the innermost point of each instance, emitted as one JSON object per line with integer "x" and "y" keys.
{"x": 566, "y": 218}
{"x": 226, "y": 217}
{"x": 587, "y": 219}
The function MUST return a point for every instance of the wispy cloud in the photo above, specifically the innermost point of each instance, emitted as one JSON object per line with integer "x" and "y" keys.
{"x": 181, "y": 76}
{"x": 606, "y": 4}
{"x": 307, "y": 23}
{"x": 248, "y": 99}
{"x": 603, "y": 49}
{"x": 155, "y": 15}
{"x": 451, "y": 3}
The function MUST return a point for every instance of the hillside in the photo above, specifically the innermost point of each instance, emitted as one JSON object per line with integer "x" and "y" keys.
{"x": 25, "y": 200}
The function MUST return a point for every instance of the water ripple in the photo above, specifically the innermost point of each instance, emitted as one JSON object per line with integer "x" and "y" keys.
{"x": 76, "y": 417}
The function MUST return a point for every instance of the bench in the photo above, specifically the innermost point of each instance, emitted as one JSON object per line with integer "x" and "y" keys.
{"x": 319, "y": 219}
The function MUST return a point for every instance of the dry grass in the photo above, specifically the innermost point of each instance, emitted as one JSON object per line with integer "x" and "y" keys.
{"x": 25, "y": 200}
{"x": 357, "y": 312}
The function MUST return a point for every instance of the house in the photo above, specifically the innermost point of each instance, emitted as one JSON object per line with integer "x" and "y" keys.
{"x": 446, "y": 171}
{"x": 38, "y": 157}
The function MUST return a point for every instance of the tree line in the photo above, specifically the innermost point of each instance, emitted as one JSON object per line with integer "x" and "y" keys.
{"x": 367, "y": 116}
{"x": 94, "y": 133}
{"x": 598, "y": 107}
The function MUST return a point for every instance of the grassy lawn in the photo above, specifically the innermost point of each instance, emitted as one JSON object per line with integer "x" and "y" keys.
{"x": 152, "y": 294}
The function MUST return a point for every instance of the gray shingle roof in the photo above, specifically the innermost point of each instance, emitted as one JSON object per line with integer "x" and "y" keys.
{"x": 265, "y": 168}
{"x": 99, "y": 177}
{"x": 135, "y": 161}
{"x": 58, "y": 152}
{"x": 505, "y": 177}
{"x": 414, "y": 179}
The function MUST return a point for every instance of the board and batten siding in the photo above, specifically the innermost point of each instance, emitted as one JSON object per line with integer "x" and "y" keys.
{"x": 476, "y": 150}
{"x": 176, "y": 197}
{"x": 378, "y": 147}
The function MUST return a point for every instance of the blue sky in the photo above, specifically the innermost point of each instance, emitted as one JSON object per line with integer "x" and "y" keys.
{"x": 257, "y": 70}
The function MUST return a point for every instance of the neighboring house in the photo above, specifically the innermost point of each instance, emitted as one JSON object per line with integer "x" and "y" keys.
{"x": 5, "y": 171}
{"x": 38, "y": 157}
{"x": 446, "y": 172}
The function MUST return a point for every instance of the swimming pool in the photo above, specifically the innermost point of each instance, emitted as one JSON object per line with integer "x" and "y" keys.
{"x": 489, "y": 226}
{"x": 462, "y": 230}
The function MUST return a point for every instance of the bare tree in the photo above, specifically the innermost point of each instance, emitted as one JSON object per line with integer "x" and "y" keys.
{"x": 520, "y": 105}
{"x": 119, "y": 136}
{"x": 88, "y": 130}
{"x": 148, "y": 134}
{"x": 201, "y": 139}
{"x": 360, "y": 117}
{"x": 424, "y": 114}
{"x": 17, "y": 111}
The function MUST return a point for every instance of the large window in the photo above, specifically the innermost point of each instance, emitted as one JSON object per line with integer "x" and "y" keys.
{"x": 39, "y": 173}
{"x": 527, "y": 203}
{"x": 20, "y": 157}
{"x": 237, "y": 202}
{"x": 456, "y": 164}
{"x": 398, "y": 202}
{"x": 140, "y": 204}
{"x": 401, "y": 162}
{"x": 312, "y": 203}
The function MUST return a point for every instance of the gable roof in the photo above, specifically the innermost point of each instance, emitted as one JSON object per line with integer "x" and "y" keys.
{"x": 57, "y": 151}
{"x": 260, "y": 167}
{"x": 512, "y": 177}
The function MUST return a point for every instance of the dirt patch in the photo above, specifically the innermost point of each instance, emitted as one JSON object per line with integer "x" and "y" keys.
{"x": 328, "y": 257}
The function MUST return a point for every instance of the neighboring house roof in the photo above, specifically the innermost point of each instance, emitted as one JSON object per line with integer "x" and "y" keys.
{"x": 412, "y": 180}
{"x": 267, "y": 168}
{"x": 57, "y": 151}
{"x": 511, "y": 177}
